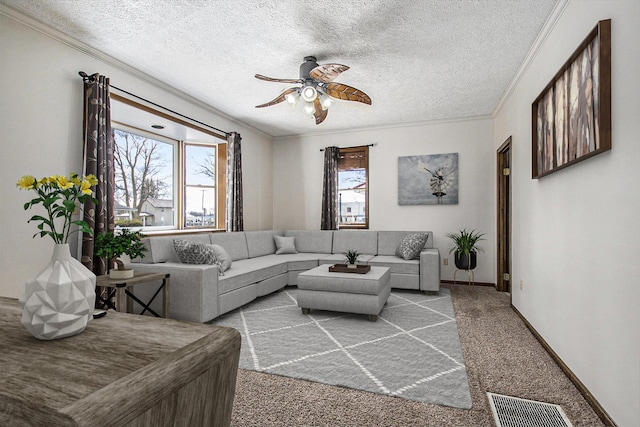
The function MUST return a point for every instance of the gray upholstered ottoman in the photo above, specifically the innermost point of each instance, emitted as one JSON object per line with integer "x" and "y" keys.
{"x": 367, "y": 293}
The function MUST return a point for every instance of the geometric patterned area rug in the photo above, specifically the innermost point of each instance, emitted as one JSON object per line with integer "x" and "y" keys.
{"x": 412, "y": 351}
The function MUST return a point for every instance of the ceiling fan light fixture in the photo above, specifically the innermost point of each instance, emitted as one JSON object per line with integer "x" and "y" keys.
{"x": 292, "y": 98}
{"x": 309, "y": 108}
{"x": 325, "y": 101}
{"x": 309, "y": 94}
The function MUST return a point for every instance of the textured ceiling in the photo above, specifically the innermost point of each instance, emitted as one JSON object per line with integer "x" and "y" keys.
{"x": 418, "y": 60}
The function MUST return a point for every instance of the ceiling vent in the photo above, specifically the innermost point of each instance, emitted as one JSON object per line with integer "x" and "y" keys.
{"x": 515, "y": 412}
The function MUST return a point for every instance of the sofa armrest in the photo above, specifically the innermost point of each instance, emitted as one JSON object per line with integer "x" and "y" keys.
{"x": 193, "y": 290}
{"x": 430, "y": 270}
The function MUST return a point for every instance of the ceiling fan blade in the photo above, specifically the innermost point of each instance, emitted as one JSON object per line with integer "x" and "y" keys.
{"x": 327, "y": 72}
{"x": 347, "y": 93}
{"x": 279, "y": 98}
{"x": 319, "y": 113}
{"x": 271, "y": 79}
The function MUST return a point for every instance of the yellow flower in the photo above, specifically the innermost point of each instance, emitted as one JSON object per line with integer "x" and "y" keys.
{"x": 85, "y": 187}
{"x": 63, "y": 183}
{"x": 27, "y": 182}
{"x": 75, "y": 179}
{"x": 92, "y": 179}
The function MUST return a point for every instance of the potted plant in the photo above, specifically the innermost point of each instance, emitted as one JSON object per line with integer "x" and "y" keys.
{"x": 465, "y": 248}
{"x": 112, "y": 246}
{"x": 352, "y": 257}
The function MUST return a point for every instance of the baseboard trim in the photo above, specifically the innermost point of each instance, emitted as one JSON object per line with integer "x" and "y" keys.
{"x": 465, "y": 282}
{"x": 591, "y": 400}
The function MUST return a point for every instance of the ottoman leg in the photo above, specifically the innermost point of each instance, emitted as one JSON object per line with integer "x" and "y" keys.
{"x": 306, "y": 310}
{"x": 372, "y": 317}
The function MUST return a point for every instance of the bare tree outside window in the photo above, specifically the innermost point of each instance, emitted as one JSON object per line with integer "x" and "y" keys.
{"x": 143, "y": 171}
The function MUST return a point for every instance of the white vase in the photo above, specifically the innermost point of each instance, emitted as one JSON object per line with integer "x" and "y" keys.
{"x": 59, "y": 301}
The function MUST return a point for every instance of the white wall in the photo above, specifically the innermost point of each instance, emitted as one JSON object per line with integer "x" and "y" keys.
{"x": 297, "y": 191}
{"x": 41, "y": 134}
{"x": 575, "y": 233}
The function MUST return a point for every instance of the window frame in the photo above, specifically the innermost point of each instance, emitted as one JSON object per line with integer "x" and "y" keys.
{"x": 179, "y": 180}
{"x": 174, "y": 181}
{"x": 343, "y": 152}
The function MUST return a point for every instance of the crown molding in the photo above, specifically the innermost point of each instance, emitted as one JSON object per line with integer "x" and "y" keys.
{"x": 393, "y": 126}
{"x": 549, "y": 25}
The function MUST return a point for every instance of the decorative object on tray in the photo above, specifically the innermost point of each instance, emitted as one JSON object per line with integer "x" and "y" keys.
{"x": 59, "y": 301}
{"x": 465, "y": 248}
{"x": 571, "y": 118}
{"x": 345, "y": 268}
{"x": 352, "y": 258}
{"x": 112, "y": 246}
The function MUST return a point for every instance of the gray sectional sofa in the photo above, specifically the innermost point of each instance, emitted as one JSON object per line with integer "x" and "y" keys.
{"x": 198, "y": 294}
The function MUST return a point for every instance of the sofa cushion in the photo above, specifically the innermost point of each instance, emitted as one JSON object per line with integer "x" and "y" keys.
{"x": 235, "y": 243}
{"x": 388, "y": 241}
{"x": 260, "y": 243}
{"x": 249, "y": 271}
{"x": 191, "y": 252}
{"x": 363, "y": 241}
{"x": 161, "y": 249}
{"x": 397, "y": 265}
{"x": 342, "y": 259}
{"x": 411, "y": 245}
{"x": 223, "y": 258}
{"x": 312, "y": 241}
{"x": 299, "y": 261}
{"x": 285, "y": 245}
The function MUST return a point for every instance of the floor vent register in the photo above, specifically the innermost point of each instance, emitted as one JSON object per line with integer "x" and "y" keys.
{"x": 511, "y": 411}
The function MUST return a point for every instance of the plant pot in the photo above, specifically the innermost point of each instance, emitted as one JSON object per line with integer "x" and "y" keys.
{"x": 352, "y": 266}
{"x": 59, "y": 301}
{"x": 121, "y": 274}
{"x": 464, "y": 262}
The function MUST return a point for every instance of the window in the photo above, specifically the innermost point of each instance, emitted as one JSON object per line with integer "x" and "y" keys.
{"x": 200, "y": 185}
{"x": 170, "y": 178}
{"x": 144, "y": 179}
{"x": 353, "y": 188}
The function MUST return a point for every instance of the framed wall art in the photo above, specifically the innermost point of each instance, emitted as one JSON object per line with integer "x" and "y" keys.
{"x": 571, "y": 118}
{"x": 428, "y": 180}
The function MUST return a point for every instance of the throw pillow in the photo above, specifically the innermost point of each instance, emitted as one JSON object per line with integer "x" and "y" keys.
{"x": 223, "y": 258}
{"x": 193, "y": 252}
{"x": 285, "y": 245}
{"x": 411, "y": 245}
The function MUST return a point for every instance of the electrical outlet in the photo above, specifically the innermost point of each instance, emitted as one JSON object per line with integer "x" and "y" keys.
{"x": 445, "y": 261}
{"x": 521, "y": 284}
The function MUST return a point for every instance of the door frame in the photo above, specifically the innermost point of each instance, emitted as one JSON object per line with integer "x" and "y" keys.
{"x": 503, "y": 182}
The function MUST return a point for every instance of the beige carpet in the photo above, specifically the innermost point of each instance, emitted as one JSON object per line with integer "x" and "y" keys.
{"x": 501, "y": 356}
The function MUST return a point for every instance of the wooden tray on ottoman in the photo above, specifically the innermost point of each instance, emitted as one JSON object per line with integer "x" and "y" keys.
{"x": 342, "y": 268}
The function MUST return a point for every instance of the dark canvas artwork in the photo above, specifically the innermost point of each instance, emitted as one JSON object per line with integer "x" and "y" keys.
{"x": 568, "y": 115}
{"x": 428, "y": 179}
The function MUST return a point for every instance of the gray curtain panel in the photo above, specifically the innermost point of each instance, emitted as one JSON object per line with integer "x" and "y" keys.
{"x": 98, "y": 159}
{"x": 234, "y": 220}
{"x": 329, "y": 220}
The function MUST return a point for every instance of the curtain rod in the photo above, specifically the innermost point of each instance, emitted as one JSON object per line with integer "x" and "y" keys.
{"x": 368, "y": 145}
{"x": 85, "y": 77}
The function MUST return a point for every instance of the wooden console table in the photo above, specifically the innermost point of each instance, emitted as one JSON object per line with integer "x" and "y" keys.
{"x": 123, "y": 370}
{"x": 122, "y": 287}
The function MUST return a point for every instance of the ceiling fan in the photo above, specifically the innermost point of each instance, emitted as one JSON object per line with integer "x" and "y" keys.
{"x": 317, "y": 88}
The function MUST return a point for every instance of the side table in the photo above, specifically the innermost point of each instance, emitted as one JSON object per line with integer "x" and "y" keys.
{"x": 121, "y": 288}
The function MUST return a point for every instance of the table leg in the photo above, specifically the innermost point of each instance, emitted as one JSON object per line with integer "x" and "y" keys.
{"x": 165, "y": 297}
{"x": 121, "y": 297}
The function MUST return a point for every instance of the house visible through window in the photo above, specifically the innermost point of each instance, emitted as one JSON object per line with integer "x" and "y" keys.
{"x": 353, "y": 192}
{"x": 170, "y": 178}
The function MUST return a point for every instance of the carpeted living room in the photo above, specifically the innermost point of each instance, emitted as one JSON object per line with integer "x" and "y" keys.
{"x": 439, "y": 117}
